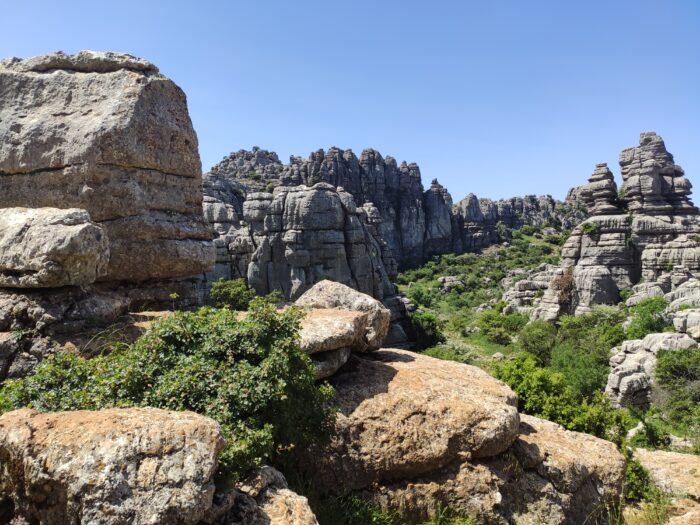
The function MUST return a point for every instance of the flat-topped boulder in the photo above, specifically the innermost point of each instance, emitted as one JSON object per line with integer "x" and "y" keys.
{"x": 403, "y": 414}
{"x": 137, "y": 465}
{"x": 417, "y": 435}
{"x": 107, "y": 133}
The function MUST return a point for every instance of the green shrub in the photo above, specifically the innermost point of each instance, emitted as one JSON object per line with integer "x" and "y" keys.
{"x": 428, "y": 329}
{"x": 647, "y": 317}
{"x": 249, "y": 375}
{"x": 594, "y": 333}
{"x": 233, "y": 293}
{"x": 538, "y": 338}
{"x": 678, "y": 376}
{"x": 499, "y": 328}
{"x": 585, "y": 373}
{"x": 545, "y": 393}
{"x": 590, "y": 227}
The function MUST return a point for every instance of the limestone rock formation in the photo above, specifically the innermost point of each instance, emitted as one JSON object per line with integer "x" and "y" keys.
{"x": 524, "y": 291}
{"x": 416, "y": 434}
{"x": 139, "y": 465}
{"x": 649, "y": 233}
{"x": 408, "y": 223}
{"x": 329, "y": 294}
{"x": 600, "y": 194}
{"x": 107, "y": 133}
{"x": 49, "y": 247}
{"x": 633, "y": 364}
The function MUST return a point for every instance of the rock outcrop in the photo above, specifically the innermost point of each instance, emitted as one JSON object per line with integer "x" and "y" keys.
{"x": 101, "y": 201}
{"x": 642, "y": 234}
{"x": 416, "y": 434}
{"x": 107, "y": 133}
{"x": 408, "y": 224}
{"x": 632, "y": 367}
{"x": 139, "y": 465}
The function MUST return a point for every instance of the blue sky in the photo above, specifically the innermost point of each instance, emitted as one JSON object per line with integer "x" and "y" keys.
{"x": 499, "y": 98}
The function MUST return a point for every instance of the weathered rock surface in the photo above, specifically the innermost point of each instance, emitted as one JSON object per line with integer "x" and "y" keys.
{"x": 407, "y": 223}
{"x": 417, "y": 435}
{"x": 262, "y": 499}
{"x": 329, "y": 294}
{"x": 649, "y": 233}
{"x": 107, "y": 133}
{"x": 632, "y": 367}
{"x": 677, "y": 474}
{"x": 404, "y": 414}
{"x": 141, "y": 466}
{"x": 49, "y": 247}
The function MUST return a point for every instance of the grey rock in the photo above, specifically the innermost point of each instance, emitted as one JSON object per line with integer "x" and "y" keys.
{"x": 632, "y": 367}
{"x": 49, "y": 247}
{"x": 107, "y": 133}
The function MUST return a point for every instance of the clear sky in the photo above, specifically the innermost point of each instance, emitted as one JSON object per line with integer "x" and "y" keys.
{"x": 499, "y": 98}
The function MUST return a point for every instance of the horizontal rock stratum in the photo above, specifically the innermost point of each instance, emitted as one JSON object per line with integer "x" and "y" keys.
{"x": 107, "y": 133}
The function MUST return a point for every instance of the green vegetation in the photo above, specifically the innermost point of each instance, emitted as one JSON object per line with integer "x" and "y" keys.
{"x": 233, "y": 293}
{"x": 249, "y": 375}
{"x": 648, "y": 317}
{"x": 427, "y": 329}
{"x": 590, "y": 228}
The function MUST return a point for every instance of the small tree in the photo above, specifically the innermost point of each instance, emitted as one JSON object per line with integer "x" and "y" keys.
{"x": 233, "y": 293}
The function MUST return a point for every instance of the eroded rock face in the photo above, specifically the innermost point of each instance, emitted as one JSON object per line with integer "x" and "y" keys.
{"x": 49, "y": 247}
{"x": 139, "y": 465}
{"x": 417, "y": 435}
{"x": 649, "y": 233}
{"x": 107, "y": 133}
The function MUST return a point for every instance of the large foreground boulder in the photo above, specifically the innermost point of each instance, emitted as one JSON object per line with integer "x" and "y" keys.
{"x": 140, "y": 466}
{"x": 330, "y": 294}
{"x": 417, "y": 435}
{"x": 49, "y": 247}
{"x": 107, "y": 133}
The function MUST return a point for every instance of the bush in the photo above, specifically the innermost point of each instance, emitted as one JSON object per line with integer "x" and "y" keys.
{"x": 546, "y": 394}
{"x": 564, "y": 284}
{"x": 594, "y": 333}
{"x": 428, "y": 329}
{"x": 499, "y": 328}
{"x": 590, "y": 228}
{"x": 585, "y": 373}
{"x": 678, "y": 375}
{"x": 233, "y": 293}
{"x": 647, "y": 317}
{"x": 538, "y": 338}
{"x": 250, "y": 376}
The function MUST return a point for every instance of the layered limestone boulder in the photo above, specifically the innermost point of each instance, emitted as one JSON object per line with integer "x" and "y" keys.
{"x": 649, "y": 234}
{"x": 525, "y": 290}
{"x": 50, "y": 247}
{"x": 376, "y": 318}
{"x": 632, "y": 367}
{"x": 139, "y": 465}
{"x": 108, "y": 134}
{"x": 417, "y": 435}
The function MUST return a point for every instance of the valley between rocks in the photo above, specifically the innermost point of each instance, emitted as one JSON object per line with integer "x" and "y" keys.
{"x": 326, "y": 341}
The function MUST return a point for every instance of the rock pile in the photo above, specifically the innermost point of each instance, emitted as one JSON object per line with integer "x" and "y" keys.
{"x": 646, "y": 232}
{"x": 101, "y": 202}
{"x": 417, "y": 434}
